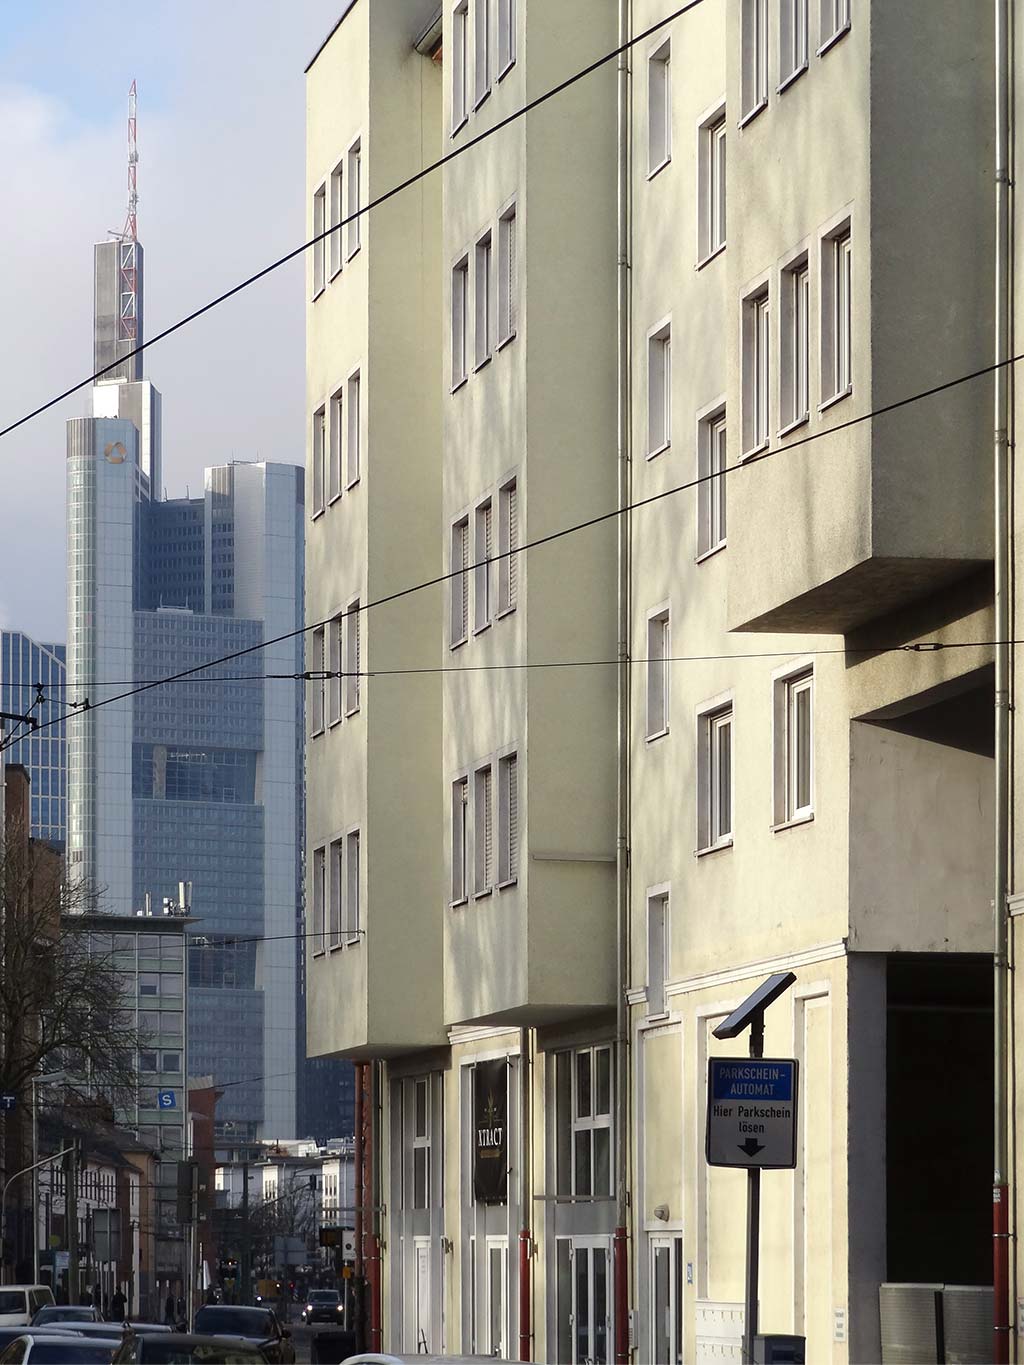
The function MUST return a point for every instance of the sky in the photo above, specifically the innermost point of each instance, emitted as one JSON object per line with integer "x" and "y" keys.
{"x": 221, "y": 124}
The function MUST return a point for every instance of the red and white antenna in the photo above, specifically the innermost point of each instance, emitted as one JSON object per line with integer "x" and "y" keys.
{"x": 130, "y": 224}
{"x": 128, "y": 329}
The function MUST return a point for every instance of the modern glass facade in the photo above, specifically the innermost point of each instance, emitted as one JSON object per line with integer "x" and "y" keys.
{"x": 26, "y": 665}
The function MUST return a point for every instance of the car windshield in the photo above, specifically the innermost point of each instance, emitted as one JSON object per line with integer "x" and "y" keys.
{"x": 324, "y": 1296}
{"x": 185, "y": 1353}
{"x": 234, "y": 1322}
{"x": 63, "y": 1313}
{"x": 12, "y": 1301}
{"x": 69, "y": 1352}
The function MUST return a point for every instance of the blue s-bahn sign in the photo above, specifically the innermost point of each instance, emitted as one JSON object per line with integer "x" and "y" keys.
{"x": 752, "y": 1112}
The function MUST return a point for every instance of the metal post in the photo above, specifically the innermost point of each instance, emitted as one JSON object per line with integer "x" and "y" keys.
{"x": 245, "y": 1268}
{"x": 35, "y": 1186}
{"x": 71, "y": 1221}
{"x": 753, "y": 1218}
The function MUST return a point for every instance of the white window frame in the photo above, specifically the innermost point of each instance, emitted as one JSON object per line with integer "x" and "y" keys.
{"x": 319, "y": 460}
{"x": 460, "y": 321}
{"x": 711, "y": 718}
{"x": 833, "y": 23}
{"x": 458, "y": 621}
{"x": 496, "y": 1245}
{"x": 836, "y": 276}
{"x": 507, "y": 37}
{"x": 483, "y": 565}
{"x": 789, "y": 684}
{"x": 659, "y": 388}
{"x": 352, "y": 918}
{"x": 483, "y": 296}
{"x": 420, "y": 1142}
{"x": 334, "y": 662}
{"x": 336, "y": 425}
{"x": 319, "y": 226}
{"x": 336, "y": 889}
{"x": 594, "y": 1120}
{"x": 337, "y": 210}
{"x": 673, "y": 1244}
{"x": 484, "y": 876}
{"x": 756, "y": 340}
{"x": 353, "y": 429}
{"x": 712, "y": 493}
{"x": 509, "y": 847}
{"x": 507, "y": 274}
{"x": 319, "y": 899}
{"x": 460, "y": 65}
{"x": 509, "y": 512}
{"x": 353, "y": 656}
{"x": 711, "y": 184}
{"x": 354, "y": 197}
{"x": 481, "y": 51}
{"x": 659, "y": 108}
{"x": 659, "y": 671}
{"x": 460, "y": 838}
{"x": 658, "y": 900}
{"x": 793, "y": 41}
{"x": 317, "y": 710}
{"x": 795, "y": 328}
{"x": 754, "y": 75}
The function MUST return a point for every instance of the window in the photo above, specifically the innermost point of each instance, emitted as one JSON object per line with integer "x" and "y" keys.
{"x": 755, "y": 58}
{"x": 319, "y": 457}
{"x": 793, "y": 708}
{"x": 583, "y": 1108}
{"x": 659, "y": 108}
{"x": 334, "y": 660}
{"x": 319, "y": 928}
{"x": 483, "y": 572}
{"x": 506, "y": 35}
{"x": 508, "y": 818}
{"x": 460, "y": 309}
{"x": 792, "y": 40}
{"x": 337, "y": 886}
{"x": 319, "y": 215}
{"x": 460, "y": 837}
{"x": 482, "y": 288}
{"x": 507, "y": 275}
{"x": 352, "y": 657}
{"x": 481, "y": 51}
{"x": 353, "y": 454}
{"x": 658, "y": 652}
{"x": 334, "y": 463}
{"x": 796, "y": 343}
{"x": 421, "y": 1144}
{"x": 497, "y": 1289}
{"x": 711, "y": 186}
{"x": 835, "y": 20}
{"x": 659, "y": 389}
{"x": 483, "y": 829}
{"x": 352, "y": 917}
{"x": 355, "y": 198}
{"x": 756, "y": 372}
{"x": 460, "y": 583}
{"x": 711, "y": 488}
{"x": 147, "y": 1061}
{"x": 836, "y": 308}
{"x": 714, "y": 778}
{"x": 317, "y": 683}
{"x": 460, "y": 53}
{"x": 508, "y": 543}
{"x": 657, "y": 952}
{"x": 667, "y": 1299}
{"x": 337, "y": 213}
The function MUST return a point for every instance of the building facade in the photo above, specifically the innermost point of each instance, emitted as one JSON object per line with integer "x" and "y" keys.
{"x": 681, "y": 749}
{"x": 29, "y": 669}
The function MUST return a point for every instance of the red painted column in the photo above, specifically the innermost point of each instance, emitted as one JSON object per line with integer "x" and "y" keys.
{"x": 620, "y": 1274}
{"x": 1001, "y": 1273}
{"x": 525, "y": 1350}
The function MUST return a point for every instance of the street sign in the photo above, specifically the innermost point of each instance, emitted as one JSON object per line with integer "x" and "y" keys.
{"x": 7, "y": 1103}
{"x": 166, "y": 1099}
{"x": 62, "y": 1260}
{"x": 752, "y": 1112}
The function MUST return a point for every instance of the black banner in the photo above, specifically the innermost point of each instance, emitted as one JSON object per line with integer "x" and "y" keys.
{"x": 490, "y": 1132}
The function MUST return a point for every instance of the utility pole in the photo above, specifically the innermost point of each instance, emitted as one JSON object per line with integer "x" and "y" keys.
{"x": 245, "y": 1262}
{"x": 71, "y": 1165}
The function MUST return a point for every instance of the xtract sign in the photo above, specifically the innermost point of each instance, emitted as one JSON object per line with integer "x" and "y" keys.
{"x": 752, "y": 1112}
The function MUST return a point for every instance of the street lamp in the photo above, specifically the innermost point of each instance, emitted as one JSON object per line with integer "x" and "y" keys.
{"x": 48, "y": 1078}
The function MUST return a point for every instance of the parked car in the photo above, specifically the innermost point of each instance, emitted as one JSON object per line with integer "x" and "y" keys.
{"x": 323, "y": 1305}
{"x": 107, "y": 1329}
{"x": 65, "y": 1312}
{"x": 186, "y": 1348}
{"x": 257, "y": 1325}
{"x": 20, "y": 1302}
{"x": 47, "y": 1347}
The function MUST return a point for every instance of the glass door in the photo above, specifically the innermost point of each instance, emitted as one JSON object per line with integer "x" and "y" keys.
{"x": 422, "y": 1310}
{"x": 666, "y": 1300}
{"x": 584, "y": 1300}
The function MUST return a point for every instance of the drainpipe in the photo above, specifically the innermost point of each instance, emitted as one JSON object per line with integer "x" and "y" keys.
{"x": 1003, "y": 570}
{"x": 525, "y": 1138}
{"x": 620, "y": 1261}
{"x": 372, "y": 1116}
{"x": 359, "y": 1189}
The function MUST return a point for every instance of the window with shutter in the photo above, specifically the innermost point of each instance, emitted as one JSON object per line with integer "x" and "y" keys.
{"x": 352, "y": 908}
{"x": 335, "y": 664}
{"x": 336, "y": 890}
{"x": 319, "y": 225}
{"x": 481, "y": 50}
{"x": 484, "y": 830}
{"x": 483, "y": 573}
{"x": 460, "y": 312}
{"x": 355, "y": 191}
{"x": 337, "y": 213}
{"x": 335, "y": 435}
{"x": 317, "y": 683}
{"x": 657, "y": 674}
{"x": 506, "y": 35}
{"x": 319, "y": 455}
{"x": 319, "y": 927}
{"x": 460, "y": 801}
{"x": 460, "y": 23}
{"x": 507, "y": 275}
{"x": 459, "y": 582}
{"x": 352, "y": 660}
{"x": 482, "y": 285}
{"x": 355, "y": 435}
{"x": 508, "y": 819}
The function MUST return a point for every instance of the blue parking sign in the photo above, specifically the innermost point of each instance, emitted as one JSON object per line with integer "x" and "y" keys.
{"x": 166, "y": 1099}
{"x": 7, "y": 1102}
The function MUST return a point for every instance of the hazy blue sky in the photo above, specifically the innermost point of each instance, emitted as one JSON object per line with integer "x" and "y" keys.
{"x": 221, "y": 128}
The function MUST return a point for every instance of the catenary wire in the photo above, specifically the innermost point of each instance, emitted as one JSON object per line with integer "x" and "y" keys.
{"x": 403, "y": 185}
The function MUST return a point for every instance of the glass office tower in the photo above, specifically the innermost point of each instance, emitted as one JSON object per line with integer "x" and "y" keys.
{"x": 25, "y": 665}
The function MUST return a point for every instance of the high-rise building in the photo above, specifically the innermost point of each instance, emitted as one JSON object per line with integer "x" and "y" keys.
{"x": 29, "y": 670}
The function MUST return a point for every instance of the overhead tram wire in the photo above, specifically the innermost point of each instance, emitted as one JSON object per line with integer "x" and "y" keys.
{"x": 403, "y": 185}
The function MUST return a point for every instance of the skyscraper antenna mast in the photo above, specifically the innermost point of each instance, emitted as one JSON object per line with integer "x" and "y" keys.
{"x": 131, "y": 224}
{"x": 128, "y": 321}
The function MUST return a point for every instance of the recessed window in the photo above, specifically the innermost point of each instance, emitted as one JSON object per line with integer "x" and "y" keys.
{"x": 319, "y": 904}
{"x": 334, "y": 632}
{"x": 337, "y": 888}
{"x": 659, "y": 108}
{"x": 352, "y": 921}
{"x": 506, "y": 35}
{"x": 460, "y": 313}
{"x": 319, "y": 459}
{"x": 482, "y": 298}
{"x": 755, "y": 57}
{"x": 336, "y": 440}
{"x": 834, "y": 20}
{"x": 711, "y": 488}
{"x": 659, "y": 389}
{"x": 658, "y": 654}
{"x": 352, "y": 656}
{"x": 483, "y": 572}
{"x": 714, "y": 778}
{"x": 711, "y": 186}
{"x": 460, "y": 62}
{"x": 354, "y": 175}
{"x": 317, "y": 683}
{"x": 481, "y": 51}
{"x": 792, "y": 39}
{"x": 319, "y": 226}
{"x": 794, "y": 746}
{"x": 421, "y": 1144}
{"x": 460, "y": 837}
{"x": 460, "y": 582}
{"x": 483, "y": 826}
{"x": 508, "y": 818}
{"x": 756, "y": 372}
{"x": 657, "y": 952}
{"x": 508, "y": 306}
{"x": 836, "y": 314}
{"x": 508, "y": 545}
{"x": 353, "y": 451}
{"x": 335, "y": 252}
{"x": 795, "y": 298}
{"x": 583, "y": 1115}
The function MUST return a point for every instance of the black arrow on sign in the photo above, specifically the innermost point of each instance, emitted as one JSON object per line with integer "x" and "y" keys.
{"x": 751, "y": 1147}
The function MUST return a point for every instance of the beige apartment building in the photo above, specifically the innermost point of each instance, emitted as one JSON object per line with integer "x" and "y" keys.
{"x": 534, "y": 891}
